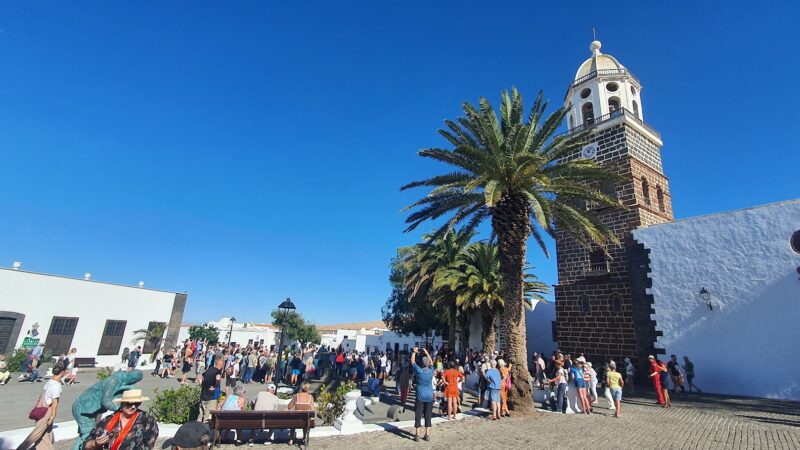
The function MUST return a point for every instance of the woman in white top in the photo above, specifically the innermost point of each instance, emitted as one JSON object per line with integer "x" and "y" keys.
{"x": 72, "y": 371}
{"x": 42, "y": 435}
{"x": 560, "y": 380}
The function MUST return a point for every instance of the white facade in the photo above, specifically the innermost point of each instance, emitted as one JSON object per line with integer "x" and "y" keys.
{"x": 246, "y": 333}
{"x": 29, "y": 303}
{"x": 744, "y": 261}
{"x": 373, "y": 339}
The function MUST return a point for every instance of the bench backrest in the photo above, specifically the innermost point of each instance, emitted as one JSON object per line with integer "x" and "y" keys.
{"x": 262, "y": 419}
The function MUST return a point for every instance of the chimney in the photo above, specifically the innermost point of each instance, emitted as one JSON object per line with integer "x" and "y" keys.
{"x": 87, "y": 276}
{"x": 16, "y": 265}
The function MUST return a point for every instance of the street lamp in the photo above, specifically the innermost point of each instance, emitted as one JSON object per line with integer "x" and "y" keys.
{"x": 283, "y": 313}
{"x": 230, "y": 333}
{"x": 706, "y": 297}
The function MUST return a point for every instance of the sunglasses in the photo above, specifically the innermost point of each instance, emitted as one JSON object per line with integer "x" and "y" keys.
{"x": 129, "y": 405}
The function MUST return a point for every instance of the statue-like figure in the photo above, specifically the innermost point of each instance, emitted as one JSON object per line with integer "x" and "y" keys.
{"x": 98, "y": 399}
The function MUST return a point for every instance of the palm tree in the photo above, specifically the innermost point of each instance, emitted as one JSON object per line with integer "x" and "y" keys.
{"x": 476, "y": 281}
{"x": 518, "y": 173}
{"x": 153, "y": 336}
{"x": 425, "y": 262}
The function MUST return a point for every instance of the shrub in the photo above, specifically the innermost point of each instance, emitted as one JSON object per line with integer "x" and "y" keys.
{"x": 104, "y": 373}
{"x": 177, "y": 406}
{"x": 330, "y": 405}
{"x": 15, "y": 360}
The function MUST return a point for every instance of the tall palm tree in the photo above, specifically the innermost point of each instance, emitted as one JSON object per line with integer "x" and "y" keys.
{"x": 153, "y": 336}
{"x": 515, "y": 171}
{"x": 425, "y": 262}
{"x": 476, "y": 281}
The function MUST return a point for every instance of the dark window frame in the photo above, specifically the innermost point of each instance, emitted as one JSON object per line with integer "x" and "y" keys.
{"x": 111, "y": 340}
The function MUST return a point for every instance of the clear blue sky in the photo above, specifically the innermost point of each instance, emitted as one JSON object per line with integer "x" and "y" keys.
{"x": 249, "y": 151}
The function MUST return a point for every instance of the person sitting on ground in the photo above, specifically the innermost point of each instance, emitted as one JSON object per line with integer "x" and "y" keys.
{"x": 190, "y": 436}
{"x": 29, "y": 370}
{"x": 127, "y": 429}
{"x": 302, "y": 401}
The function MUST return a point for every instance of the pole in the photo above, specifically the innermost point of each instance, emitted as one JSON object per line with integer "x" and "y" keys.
{"x": 280, "y": 353}
{"x": 230, "y": 334}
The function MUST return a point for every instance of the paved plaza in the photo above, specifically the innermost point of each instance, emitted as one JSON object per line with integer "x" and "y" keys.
{"x": 695, "y": 421}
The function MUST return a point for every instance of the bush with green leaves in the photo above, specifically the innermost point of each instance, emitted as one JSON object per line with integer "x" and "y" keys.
{"x": 330, "y": 405}
{"x": 177, "y": 406}
{"x": 14, "y": 360}
{"x": 104, "y": 373}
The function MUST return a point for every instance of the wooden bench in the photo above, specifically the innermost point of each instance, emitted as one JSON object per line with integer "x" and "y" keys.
{"x": 85, "y": 362}
{"x": 262, "y": 420}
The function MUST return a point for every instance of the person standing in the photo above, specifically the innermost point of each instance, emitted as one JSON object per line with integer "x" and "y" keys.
{"x": 505, "y": 386}
{"x": 560, "y": 380}
{"x": 41, "y": 437}
{"x": 127, "y": 429}
{"x": 630, "y": 375}
{"x": 208, "y": 389}
{"x": 688, "y": 366}
{"x": 404, "y": 378}
{"x": 592, "y": 382}
{"x": 615, "y": 384}
{"x": 424, "y": 389}
{"x": 252, "y": 362}
{"x": 133, "y": 358}
{"x": 451, "y": 379}
{"x": 577, "y": 376}
{"x": 664, "y": 375}
{"x": 494, "y": 380}
{"x": 655, "y": 378}
{"x": 675, "y": 374}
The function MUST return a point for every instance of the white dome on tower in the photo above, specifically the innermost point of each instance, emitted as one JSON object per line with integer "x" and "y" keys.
{"x": 598, "y": 61}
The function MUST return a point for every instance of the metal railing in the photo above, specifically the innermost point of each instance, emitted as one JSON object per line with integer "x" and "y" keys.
{"x": 597, "y": 269}
{"x": 611, "y": 116}
{"x": 603, "y": 72}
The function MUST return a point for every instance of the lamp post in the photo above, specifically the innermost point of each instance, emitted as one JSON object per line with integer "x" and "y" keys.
{"x": 283, "y": 313}
{"x": 230, "y": 332}
{"x": 706, "y": 297}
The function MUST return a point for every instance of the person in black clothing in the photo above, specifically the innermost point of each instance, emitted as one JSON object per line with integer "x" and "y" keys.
{"x": 295, "y": 368}
{"x": 675, "y": 374}
{"x": 208, "y": 389}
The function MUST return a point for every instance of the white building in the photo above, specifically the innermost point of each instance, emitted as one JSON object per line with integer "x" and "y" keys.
{"x": 243, "y": 333}
{"x": 371, "y": 336}
{"x": 97, "y": 318}
{"x": 726, "y": 293}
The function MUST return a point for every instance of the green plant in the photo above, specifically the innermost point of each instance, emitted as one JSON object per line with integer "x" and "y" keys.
{"x": 331, "y": 404}
{"x": 209, "y": 333}
{"x": 104, "y": 373}
{"x": 177, "y": 406}
{"x": 15, "y": 360}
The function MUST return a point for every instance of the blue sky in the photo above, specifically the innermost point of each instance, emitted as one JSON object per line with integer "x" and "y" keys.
{"x": 249, "y": 151}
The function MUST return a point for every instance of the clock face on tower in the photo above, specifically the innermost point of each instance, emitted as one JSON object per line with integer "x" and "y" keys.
{"x": 589, "y": 151}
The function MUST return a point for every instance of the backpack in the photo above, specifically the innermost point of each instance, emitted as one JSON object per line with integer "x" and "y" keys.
{"x": 508, "y": 381}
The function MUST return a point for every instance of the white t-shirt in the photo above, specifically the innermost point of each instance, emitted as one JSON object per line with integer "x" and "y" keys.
{"x": 52, "y": 390}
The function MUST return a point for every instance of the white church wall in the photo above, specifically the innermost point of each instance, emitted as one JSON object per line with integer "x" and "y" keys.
{"x": 745, "y": 261}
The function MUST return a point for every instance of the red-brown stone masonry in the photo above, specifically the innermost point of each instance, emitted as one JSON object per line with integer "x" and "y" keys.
{"x": 604, "y": 332}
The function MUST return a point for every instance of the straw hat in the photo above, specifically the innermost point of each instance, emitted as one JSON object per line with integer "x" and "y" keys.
{"x": 131, "y": 396}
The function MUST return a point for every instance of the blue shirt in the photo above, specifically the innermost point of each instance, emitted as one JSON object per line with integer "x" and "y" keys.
{"x": 494, "y": 378}
{"x": 578, "y": 375}
{"x": 424, "y": 383}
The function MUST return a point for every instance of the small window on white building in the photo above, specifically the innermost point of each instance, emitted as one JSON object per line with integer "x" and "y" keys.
{"x": 571, "y": 122}
{"x": 612, "y": 87}
{"x": 635, "y": 109}
{"x": 795, "y": 241}
{"x": 633, "y": 90}
{"x": 405, "y": 347}
{"x": 586, "y": 93}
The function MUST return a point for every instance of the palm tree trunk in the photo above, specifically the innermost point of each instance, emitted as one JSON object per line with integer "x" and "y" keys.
{"x": 512, "y": 227}
{"x": 464, "y": 323}
{"x": 487, "y": 324}
{"x": 451, "y": 332}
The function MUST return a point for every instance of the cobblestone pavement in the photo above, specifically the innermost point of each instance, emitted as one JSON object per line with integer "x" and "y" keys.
{"x": 696, "y": 421}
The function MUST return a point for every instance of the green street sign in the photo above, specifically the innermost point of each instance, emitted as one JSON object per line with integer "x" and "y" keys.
{"x": 30, "y": 342}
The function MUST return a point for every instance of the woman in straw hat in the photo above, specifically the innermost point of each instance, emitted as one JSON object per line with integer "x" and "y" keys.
{"x": 127, "y": 429}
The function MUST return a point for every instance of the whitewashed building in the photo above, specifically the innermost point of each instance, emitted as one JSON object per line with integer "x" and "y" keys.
{"x": 97, "y": 318}
{"x": 243, "y": 333}
{"x": 726, "y": 292}
{"x": 371, "y": 336}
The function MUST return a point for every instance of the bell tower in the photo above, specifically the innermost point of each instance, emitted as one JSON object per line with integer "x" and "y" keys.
{"x": 602, "y": 308}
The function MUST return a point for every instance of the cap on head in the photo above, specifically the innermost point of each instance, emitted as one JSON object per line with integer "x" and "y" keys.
{"x": 190, "y": 435}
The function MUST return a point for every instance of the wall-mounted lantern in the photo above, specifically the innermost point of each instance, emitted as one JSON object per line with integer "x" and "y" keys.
{"x": 706, "y": 297}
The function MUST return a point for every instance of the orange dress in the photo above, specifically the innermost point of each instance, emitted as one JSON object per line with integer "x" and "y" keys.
{"x": 503, "y": 394}
{"x": 452, "y": 376}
